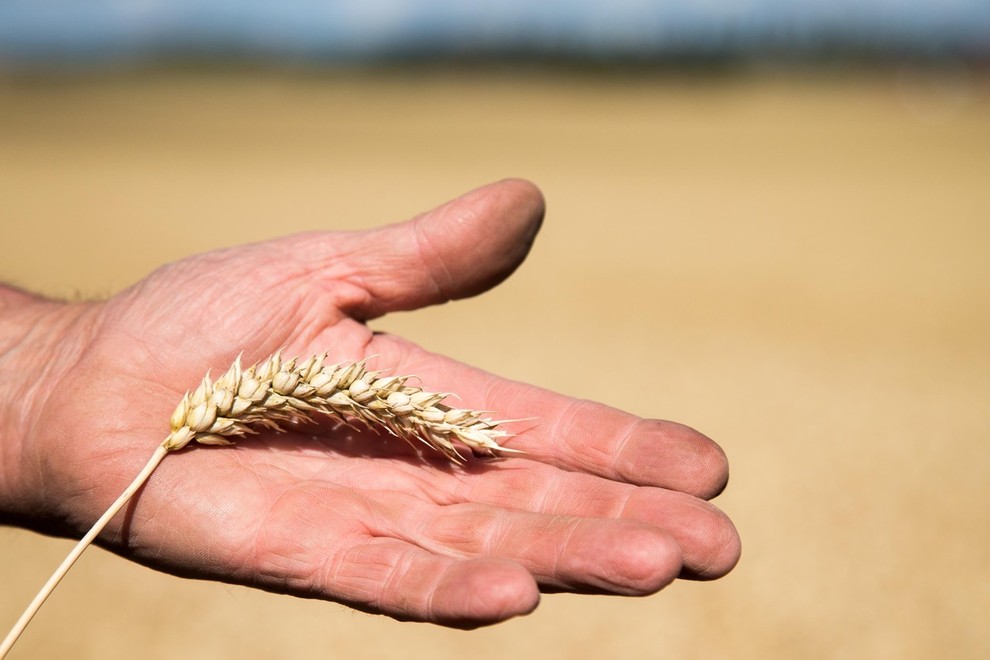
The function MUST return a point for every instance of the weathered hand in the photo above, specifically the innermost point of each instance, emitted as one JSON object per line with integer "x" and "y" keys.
{"x": 601, "y": 501}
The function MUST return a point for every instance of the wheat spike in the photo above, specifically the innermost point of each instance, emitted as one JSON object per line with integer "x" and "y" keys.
{"x": 277, "y": 391}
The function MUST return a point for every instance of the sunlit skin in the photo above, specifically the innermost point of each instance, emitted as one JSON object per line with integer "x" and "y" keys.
{"x": 601, "y": 500}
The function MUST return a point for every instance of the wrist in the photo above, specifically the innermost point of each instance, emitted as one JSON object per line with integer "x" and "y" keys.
{"x": 40, "y": 341}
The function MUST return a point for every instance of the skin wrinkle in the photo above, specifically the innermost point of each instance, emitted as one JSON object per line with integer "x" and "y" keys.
{"x": 111, "y": 454}
{"x": 252, "y": 470}
{"x": 317, "y": 315}
{"x": 429, "y": 538}
{"x": 426, "y": 252}
{"x": 83, "y": 324}
{"x": 218, "y": 551}
{"x": 346, "y": 286}
{"x": 330, "y": 256}
{"x": 620, "y": 448}
{"x": 328, "y": 574}
{"x": 131, "y": 540}
{"x": 490, "y": 390}
{"x": 354, "y": 298}
{"x": 122, "y": 316}
{"x": 622, "y": 508}
{"x": 431, "y": 610}
{"x": 20, "y": 338}
{"x": 285, "y": 575}
{"x": 333, "y": 564}
{"x": 381, "y": 520}
{"x": 564, "y": 551}
{"x": 468, "y": 490}
{"x": 563, "y": 428}
{"x": 153, "y": 389}
{"x": 415, "y": 479}
{"x": 421, "y": 535}
{"x": 543, "y": 495}
{"x": 539, "y": 498}
{"x": 299, "y": 277}
{"x": 351, "y": 266}
{"x": 481, "y": 490}
{"x": 494, "y": 541}
{"x": 355, "y": 558}
{"x": 398, "y": 572}
{"x": 159, "y": 551}
{"x": 259, "y": 543}
{"x": 130, "y": 308}
{"x": 272, "y": 326}
{"x": 274, "y": 319}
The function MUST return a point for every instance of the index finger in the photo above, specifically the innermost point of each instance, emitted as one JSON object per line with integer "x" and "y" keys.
{"x": 573, "y": 434}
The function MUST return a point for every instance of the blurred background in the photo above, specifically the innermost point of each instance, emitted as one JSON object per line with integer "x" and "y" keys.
{"x": 769, "y": 220}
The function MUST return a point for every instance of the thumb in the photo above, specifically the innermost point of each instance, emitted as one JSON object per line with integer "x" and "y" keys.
{"x": 457, "y": 250}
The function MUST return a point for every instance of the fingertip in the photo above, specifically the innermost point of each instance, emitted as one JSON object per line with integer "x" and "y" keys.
{"x": 658, "y": 560}
{"x": 494, "y": 226}
{"x": 706, "y": 464}
{"x": 526, "y": 200}
{"x": 675, "y": 456}
{"x": 481, "y": 592}
{"x": 722, "y": 548}
{"x": 645, "y": 561}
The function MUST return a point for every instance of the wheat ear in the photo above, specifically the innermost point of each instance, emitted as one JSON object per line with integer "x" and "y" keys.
{"x": 276, "y": 391}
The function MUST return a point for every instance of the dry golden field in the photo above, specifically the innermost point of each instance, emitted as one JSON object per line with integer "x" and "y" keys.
{"x": 796, "y": 264}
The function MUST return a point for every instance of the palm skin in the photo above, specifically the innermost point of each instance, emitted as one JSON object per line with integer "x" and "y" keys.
{"x": 601, "y": 501}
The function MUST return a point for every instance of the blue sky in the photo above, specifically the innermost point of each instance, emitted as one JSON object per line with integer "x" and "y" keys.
{"x": 69, "y": 29}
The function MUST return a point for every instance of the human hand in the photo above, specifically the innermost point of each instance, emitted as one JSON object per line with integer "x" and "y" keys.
{"x": 601, "y": 501}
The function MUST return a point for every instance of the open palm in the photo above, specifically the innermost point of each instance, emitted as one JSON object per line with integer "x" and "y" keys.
{"x": 601, "y": 501}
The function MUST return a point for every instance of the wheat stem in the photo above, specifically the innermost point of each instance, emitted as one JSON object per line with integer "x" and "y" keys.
{"x": 84, "y": 543}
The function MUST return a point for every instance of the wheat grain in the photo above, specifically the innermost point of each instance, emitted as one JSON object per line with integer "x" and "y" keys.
{"x": 277, "y": 392}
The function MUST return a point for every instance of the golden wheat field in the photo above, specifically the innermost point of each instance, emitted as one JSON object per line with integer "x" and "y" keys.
{"x": 796, "y": 264}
